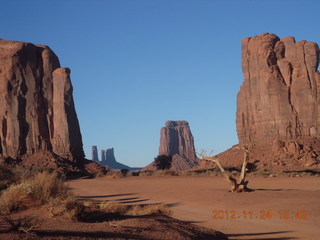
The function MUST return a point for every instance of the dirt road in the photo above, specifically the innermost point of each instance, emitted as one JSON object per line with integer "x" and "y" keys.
{"x": 279, "y": 208}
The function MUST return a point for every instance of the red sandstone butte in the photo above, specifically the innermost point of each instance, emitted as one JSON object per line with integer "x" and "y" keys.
{"x": 278, "y": 104}
{"x": 176, "y": 140}
{"x": 280, "y": 95}
{"x": 37, "y": 113}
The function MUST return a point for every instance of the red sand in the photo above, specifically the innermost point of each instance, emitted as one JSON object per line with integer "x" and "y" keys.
{"x": 195, "y": 198}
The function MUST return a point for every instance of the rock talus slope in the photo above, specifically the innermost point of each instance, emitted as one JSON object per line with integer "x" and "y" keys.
{"x": 37, "y": 112}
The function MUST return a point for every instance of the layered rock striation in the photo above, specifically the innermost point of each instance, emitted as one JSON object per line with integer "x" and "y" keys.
{"x": 280, "y": 95}
{"x": 37, "y": 112}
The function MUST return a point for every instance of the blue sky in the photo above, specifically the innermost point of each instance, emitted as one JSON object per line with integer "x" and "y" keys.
{"x": 137, "y": 63}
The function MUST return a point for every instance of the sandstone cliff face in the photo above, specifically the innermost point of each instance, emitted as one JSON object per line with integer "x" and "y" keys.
{"x": 280, "y": 95}
{"x": 37, "y": 112}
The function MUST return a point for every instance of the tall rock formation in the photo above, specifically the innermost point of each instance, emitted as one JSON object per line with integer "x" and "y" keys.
{"x": 37, "y": 112}
{"x": 278, "y": 104}
{"x": 279, "y": 98}
{"x": 111, "y": 162}
{"x": 94, "y": 154}
{"x": 176, "y": 140}
{"x": 103, "y": 155}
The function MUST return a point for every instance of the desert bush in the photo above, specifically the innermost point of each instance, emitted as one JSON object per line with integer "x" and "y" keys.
{"x": 124, "y": 171}
{"x": 165, "y": 173}
{"x": 137, "y": 210}
{"x": 43, "y": 187}
{"x": 75, "y": 209}
{"x": 114, "y": 207}
{"x": 6, "y": 177}
{"x": 146, "y": 173}
{"x": 25, "y": 224}
{"x": 163, "y": 162}
{"x": 14, "y": 197}
{"x": 47, "y": 186}
{"x": 135, "y": 174}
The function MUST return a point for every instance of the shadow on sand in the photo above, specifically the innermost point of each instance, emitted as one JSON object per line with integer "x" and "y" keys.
{"x": 260, "y": 236}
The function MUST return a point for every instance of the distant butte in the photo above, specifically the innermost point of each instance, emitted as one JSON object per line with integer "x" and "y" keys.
{"x": 176, "y": 140}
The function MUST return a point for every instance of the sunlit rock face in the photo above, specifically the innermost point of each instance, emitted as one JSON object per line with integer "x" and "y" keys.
{"x": 280, "y": 95}
{"x": 37, "y": 112}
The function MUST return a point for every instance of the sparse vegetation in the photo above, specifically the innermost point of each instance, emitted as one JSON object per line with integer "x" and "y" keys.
{"x": 135, "y": 210}
{"x": 42, "y": 188}
{"x": 21, "y": 224}
{"x": 235, "y": 186}
{"x": 163, "y": 162}
{"x": 124, "y": 171}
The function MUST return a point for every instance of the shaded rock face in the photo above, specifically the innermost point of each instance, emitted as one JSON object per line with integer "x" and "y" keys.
{"x": 110, "y": 158}
{"x": 103, "y": 155}
{"x": 94, "y": 154}
{"x": 37, "y": 111}
{"x": 279, "y": 98}
{"x": 111, "y": 162}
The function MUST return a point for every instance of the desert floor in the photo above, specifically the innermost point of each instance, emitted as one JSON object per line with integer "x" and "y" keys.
{"x": 279, "y": 208}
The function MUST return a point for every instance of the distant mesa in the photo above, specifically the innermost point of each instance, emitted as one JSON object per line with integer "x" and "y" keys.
{"x": 176, "y": 140}
{"x": 278, "y": 105}
{"x": 108, "y": 159}
{"x": 38, "y": 120}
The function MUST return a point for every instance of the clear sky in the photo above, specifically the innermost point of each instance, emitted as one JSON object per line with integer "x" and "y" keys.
{"x": 137, "y": 63}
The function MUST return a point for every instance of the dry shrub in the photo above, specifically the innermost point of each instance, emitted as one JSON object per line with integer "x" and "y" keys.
{"x": 114, "y": 207}
{"x": 137, "y": 210}
{"x": 14, "y": 197}
{"x": 47, "y": 186}
{"x": 6, "y": 177}
{"x": 25, "y": 224}
{"x": 146, "y": 173}
{"x": 75, "y": 209}
{"x": 43, "y": 188}
{"x": 165, "y": 173}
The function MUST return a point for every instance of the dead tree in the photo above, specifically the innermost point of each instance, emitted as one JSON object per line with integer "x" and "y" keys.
{"x": 235, "y": 186}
